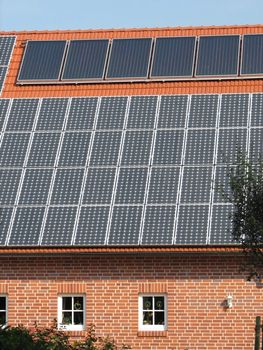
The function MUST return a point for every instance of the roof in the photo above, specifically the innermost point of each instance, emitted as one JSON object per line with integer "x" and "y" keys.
{"x": 66, "y": 190}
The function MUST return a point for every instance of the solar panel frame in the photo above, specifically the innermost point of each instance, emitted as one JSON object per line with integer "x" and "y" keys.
{"x": 35, "y": 81}
{"x": 242, "y": 59}
{"x": 170, "y": 77}
{"x": 130, "y": 77}
{"x": 85, "y": 79}
{"x": 213, "y": 76}
{"x": 4, "y": 61}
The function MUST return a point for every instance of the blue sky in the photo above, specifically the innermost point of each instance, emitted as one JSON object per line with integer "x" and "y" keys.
{"x": 84, "y": 14}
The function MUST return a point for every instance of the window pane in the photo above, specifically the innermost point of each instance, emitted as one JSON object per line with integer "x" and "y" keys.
{"x": 78, "y": 317}
{"x": 148, "y": 318}
{"x": 159, "y": 303}
{"x": 66, "y": 303}
{"x": 159, "y": 318}
{"x": 78, "y": 303}
{"x": 147, "y": 303}
{"x": 66, "y": 317}
{"x": 2, "y": 303}
{"x": 2, "y": 318}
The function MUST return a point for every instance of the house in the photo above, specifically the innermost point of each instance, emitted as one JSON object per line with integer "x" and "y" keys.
{"x": 113, "y": 145}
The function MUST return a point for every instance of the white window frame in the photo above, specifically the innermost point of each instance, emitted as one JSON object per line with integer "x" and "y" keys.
{"x": 71, "y": 327}
{"x": 6, "y": 308}
{"x": 144, "y": 327}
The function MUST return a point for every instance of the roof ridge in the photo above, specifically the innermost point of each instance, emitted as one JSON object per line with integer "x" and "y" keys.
{"x": 137, "y": 29}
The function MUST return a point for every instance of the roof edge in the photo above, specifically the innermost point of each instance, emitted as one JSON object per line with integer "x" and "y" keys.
{"x": 121, "y": 250}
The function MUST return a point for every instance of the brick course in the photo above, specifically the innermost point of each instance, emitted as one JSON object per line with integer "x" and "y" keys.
{"x": 196, "y": 287}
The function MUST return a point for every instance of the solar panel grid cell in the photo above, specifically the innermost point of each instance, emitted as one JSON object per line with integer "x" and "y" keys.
{"x": 86, "y": 60}
{"x": 22, "y": 115}
{"x": 82, "y": 113}
{"x": 252, "y": 55}
{"x": 92, "y": 226}
{"x": 52, "y": 114}
{"x": 173, "y": 57}
{"x": 42, "y": 60}
{"x": 129, "y": 58}
{"x": 6, "y": 47}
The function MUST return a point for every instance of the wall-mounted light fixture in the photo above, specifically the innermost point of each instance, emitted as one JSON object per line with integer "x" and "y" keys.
{"x": 229, "y": 301}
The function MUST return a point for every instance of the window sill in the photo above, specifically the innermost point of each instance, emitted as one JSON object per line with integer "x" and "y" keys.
{"x": 76, "y": 333}
{"x": 152, "y": 333}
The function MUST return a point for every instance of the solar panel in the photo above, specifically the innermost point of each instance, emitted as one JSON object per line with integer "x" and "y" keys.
{"x": 86, "y": 60}
{"x": 92, "y": 226}
{"x": 218, "y": 55}
{"x": 13, "y": 149}
{"x": 230, "y": 143}
{"x": 82, "y": 113}
{"x": 172, "y": 113}
{"x": 252, "y": 55}
{"x": 137, "y": 148}
{"x": 168, "y": 147}
{"x": 221, "y": 185}
{"x": 200, "y": 147}
{"x": 221, "y": 225}
{"x": 3, "y": 71}
{"x": 234, "y": 110}
{"x": 192, "y": 224}
{"x": 158, "y": 225}
{"x": 257, "y": 110}
{"x": 203, "y": 111}
{"x": 163, "y": 185}
{"x": 4, "y": 104}
{"x": 131, "y": 186}
{"x": 6, "y": 47}
{"x": 125, "y": 225}
{"x": 43, "y": 149}
{"x": 5, "y": 218}
{"x": 59, "y": 226}
{"x": 256, "y": 144}
{"x": 9, "y": 181}
{"x": 26, "y": 227}
{"x": 142, "y": 112}
{"x": 129, "y": 58}
{"x": 67, "y": 186}
{"x": 105, "y": 148}
{"x": 42, "y": 60}
{"x": 35, "y": 187}
{"x": 196, "y": 185}
{"x": 22, "y": 115}
{"x": 173, "y": 57}
{"x": 112, "y": 113}
{"x": 52, "y": 114}
{"x": 74, "y": 149}
{"x": 99, "y": 186}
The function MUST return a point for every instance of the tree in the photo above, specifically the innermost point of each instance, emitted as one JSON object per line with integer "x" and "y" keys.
{"x": 246, "y": 195}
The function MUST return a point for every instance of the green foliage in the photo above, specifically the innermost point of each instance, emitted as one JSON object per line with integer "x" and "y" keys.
{"x": 246, "y": 183}
{"x": 50, "y": 338}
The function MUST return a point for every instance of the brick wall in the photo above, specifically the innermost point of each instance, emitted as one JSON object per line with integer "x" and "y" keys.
{"x": 196, "y": 288}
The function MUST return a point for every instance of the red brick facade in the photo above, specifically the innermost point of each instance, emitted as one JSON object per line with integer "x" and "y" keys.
{"x": 196, "y": 287}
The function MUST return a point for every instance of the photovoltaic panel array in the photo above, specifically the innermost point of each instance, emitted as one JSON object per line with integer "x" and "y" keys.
{"x": 6, "y": 49}
{"x": 140, "y": 170}
{"x": 129, "y": 59}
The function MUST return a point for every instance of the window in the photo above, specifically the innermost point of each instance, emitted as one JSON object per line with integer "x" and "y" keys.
{"x": 71, "y": 312}
{"x": 3, "y": 310}
{"x": 152, "y": 312}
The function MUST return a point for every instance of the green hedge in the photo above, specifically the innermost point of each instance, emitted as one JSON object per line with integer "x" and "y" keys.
{"x": 22, "y": 338}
